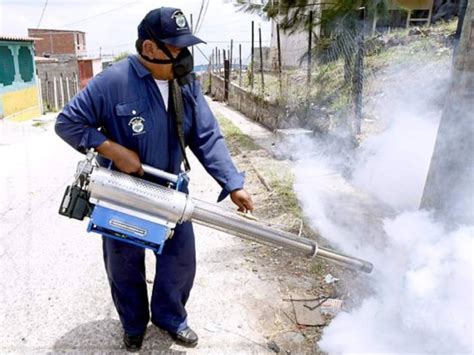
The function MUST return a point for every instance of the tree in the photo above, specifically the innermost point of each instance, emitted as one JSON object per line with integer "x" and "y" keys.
{"x": 449, "y": 187}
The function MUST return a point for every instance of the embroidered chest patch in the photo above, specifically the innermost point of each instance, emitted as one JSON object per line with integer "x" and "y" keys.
{"x": 137, "y": 124}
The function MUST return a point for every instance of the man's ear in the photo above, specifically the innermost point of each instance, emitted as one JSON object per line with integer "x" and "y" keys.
{"x": 148, "y": 48}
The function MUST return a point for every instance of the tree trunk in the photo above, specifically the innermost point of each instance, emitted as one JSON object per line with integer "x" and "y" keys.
{"x": 449, "y": 188}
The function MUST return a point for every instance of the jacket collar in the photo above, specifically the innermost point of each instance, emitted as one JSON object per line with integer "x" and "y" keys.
{"x": 140, "y": 69}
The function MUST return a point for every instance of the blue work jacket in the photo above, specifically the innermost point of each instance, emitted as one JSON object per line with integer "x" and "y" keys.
{"x": 124, "y": 104}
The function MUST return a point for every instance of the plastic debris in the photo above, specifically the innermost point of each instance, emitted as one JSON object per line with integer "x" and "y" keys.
{"x": 330, "y": 279}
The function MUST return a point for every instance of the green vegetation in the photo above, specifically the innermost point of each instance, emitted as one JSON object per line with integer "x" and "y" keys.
{"x": 330, "y": 89}
{"x": 121, "y": 56}
{"x": 282, "y": 184}
{"x": 234, "y": 135}
{"x": 279, "y": 178}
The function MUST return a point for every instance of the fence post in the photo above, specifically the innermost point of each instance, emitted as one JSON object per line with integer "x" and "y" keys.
{"x": 358, "y": 82}
{"x": 261, "y": 58}
{"x": 279, "y": 59}
{"x": 55, "y": 93}
{"x": 220, "y": 63}
{"x": 240, "y": 65}
{"x": 61, "y": 88}
{"x": 40, "y": 94}
{"x": 310, "y": 39}
{"x": 251, "y": 59}
{"x": 226, "y": 79}
{"x": 68, "y": 90}
{"x": 76, "y": 81}
{"x": 231, "y": 58}
{"x": 47, "y": 92}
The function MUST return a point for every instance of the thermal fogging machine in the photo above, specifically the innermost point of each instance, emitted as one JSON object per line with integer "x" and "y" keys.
{"x": 145, "y": 214}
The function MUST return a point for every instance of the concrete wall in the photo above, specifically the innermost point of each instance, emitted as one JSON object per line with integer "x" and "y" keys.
{"x": 56, "y": 68}
{"x": 19, "y": 99}
{"x": 268, "y": 114}
{"x": 59, "y": 81}
{"x": 293, "y": 46}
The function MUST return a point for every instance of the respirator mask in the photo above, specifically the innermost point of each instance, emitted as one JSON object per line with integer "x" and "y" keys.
{"x": 182, "y": 65}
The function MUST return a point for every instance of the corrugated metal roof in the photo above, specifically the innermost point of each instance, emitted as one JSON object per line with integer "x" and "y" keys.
{"x": 18, "y": 39}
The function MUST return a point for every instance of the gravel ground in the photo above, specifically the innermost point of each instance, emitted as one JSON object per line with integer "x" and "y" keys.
{"x": 54, "y": 296}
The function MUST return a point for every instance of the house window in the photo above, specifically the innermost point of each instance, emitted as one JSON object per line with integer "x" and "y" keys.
{"x": 25, "y": 61}
{"x": 7, "y": 66}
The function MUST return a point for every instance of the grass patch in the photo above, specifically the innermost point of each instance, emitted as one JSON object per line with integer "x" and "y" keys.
{"x": 279, "y": 178}
{"x": 234, "y": 135}
{"x": 283, "y": 187}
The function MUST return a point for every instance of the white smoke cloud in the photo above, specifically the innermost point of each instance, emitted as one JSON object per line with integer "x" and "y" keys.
{"x": 423, "y": 294}
{"x": 422, "y": 284}
{"x": 395, "y": 163}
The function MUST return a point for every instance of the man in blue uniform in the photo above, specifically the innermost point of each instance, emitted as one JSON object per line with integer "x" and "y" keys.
{"x": 127, "y": 113}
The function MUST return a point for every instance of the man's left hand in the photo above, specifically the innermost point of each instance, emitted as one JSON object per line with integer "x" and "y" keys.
{"x": 242, "y": 199}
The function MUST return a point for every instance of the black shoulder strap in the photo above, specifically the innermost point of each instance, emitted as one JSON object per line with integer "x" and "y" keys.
{"x": 177, "y": 99}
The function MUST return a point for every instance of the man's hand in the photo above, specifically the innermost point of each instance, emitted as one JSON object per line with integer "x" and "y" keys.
{"x": 126, "y": 160}
{"x": 242, "y": 199}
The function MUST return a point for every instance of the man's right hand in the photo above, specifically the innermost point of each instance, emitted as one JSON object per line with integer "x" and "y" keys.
{"x": 126, "y": 160}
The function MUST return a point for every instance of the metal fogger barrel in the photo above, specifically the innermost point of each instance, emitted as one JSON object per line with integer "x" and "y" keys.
{"x": 153, "y": 202}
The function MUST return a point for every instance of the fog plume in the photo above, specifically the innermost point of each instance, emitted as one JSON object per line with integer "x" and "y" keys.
{"x": 366, "y": 204}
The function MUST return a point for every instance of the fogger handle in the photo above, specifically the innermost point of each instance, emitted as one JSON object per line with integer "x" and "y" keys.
{"x": 160, "y": 173}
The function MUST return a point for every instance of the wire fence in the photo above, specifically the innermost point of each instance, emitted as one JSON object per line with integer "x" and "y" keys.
{"x": 319, "y": 81}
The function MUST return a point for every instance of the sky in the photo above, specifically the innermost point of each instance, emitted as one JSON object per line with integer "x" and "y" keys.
{"x": 111, "y": 25}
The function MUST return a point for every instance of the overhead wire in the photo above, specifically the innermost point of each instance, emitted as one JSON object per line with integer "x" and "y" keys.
{"x": 198, "y": 27}
{"x": 199, "y": 16}
{"x": 42, "y": 14}
{"x": 202, "y": 53}
{"x": 101, "y": 13}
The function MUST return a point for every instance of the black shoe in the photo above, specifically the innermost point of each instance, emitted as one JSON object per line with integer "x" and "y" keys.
{"x": 133, "y": 342}
{"x": 186, "y": 337}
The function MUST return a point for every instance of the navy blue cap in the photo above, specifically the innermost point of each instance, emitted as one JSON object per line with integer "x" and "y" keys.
{"x": 167, "y": 25}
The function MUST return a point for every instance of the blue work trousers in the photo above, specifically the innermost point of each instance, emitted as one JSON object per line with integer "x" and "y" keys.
{"x": 175, "y": 271}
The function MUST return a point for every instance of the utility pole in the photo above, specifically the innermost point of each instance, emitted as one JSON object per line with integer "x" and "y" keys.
{"x": 449, "y": 187}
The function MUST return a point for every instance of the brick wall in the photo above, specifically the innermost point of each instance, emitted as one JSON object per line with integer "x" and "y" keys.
{"x": 58, "y": 43}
